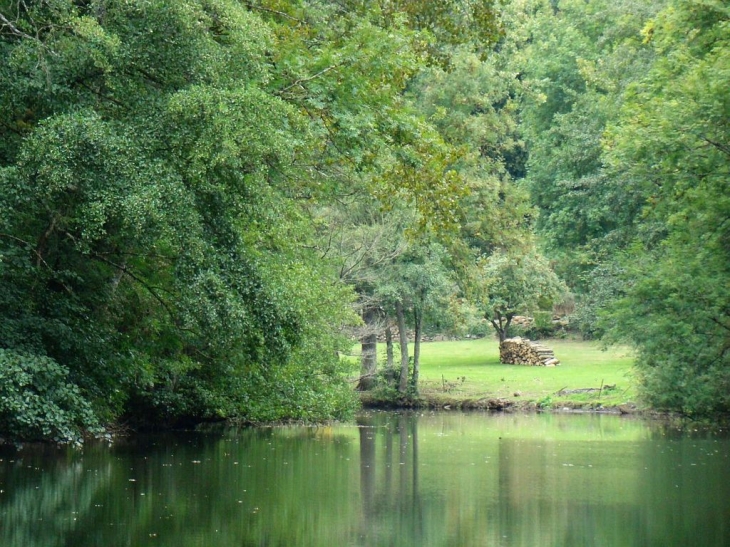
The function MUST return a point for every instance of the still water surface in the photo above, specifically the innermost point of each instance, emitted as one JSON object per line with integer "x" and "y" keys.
{"x": 425, "y": 479}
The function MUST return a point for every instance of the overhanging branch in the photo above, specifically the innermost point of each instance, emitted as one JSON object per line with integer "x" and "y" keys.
{"x": 6, "y": 23}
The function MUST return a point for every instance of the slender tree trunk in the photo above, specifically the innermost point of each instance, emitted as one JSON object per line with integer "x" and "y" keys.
{"x": 369, "y": 344}
{"x": 389, "y": 348}
{"x": 114, "y": 282}
{"x": 501, "y": 325}
{"x": 403, "y": 337}
{"x": 417, "y": 320}
{"x": 498, "y": 330}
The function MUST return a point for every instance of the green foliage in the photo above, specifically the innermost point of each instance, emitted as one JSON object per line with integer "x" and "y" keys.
{"x": 473, "y": 106}
{"x": 441, "y": 26}
{"x": 514, "y": 330}
{"x": 313, "y": 385}
{"x": 451, "y": 22}
{"x": 575, "y": 61}
{"x": 670, "y": 140}
{"x": 38, "y": 401}
{"x": 419, "y": 279}
{"x": 190, "y": 192}
{"x": 543, "y": 326}
{"x": 359, "y": 71}
{"x": 675, "y": 312}
{"x": 603, "y": 285}
{"x": 625, "y": 116}
{"x": 150, "y": 241}
{"x": 347, "y": 68}
{"x": 515, "y": 284}
{"x": 464, "y": 319}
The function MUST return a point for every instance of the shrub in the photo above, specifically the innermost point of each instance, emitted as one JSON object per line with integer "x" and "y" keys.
{"x": 38, "y": 402}
{"x": 515, "y": 330}
{"x": 542, "y": 326}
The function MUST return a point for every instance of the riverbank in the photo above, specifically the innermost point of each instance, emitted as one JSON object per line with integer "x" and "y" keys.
{"x": 438, "y": 402}
{"x": 467, "y": 374}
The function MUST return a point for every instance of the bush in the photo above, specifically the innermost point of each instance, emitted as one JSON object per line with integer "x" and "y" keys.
{"x": 542, "y": 326}
{"x": 479, "y": 328}
{"x": 38, "y": 402}
{"x": 515, "y": 330}
{"x": 605, "y": 285}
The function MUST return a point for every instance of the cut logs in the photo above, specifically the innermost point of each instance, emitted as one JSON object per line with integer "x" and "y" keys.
{"x": 521, "y": 351}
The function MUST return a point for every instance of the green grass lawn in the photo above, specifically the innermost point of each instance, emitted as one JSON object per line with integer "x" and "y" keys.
{"x": 470, "y": 369}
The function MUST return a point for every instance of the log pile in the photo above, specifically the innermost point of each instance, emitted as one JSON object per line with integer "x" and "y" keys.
{"x": 521, "y": 351}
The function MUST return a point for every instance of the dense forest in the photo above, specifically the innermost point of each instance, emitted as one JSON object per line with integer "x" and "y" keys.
{"x": 204, "y": 202}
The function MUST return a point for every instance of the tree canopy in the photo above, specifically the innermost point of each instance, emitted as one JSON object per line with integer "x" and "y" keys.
{"x": 171, "y": 175}
{"x": 628, "y": 142}
{"x": 515, "y": 284}
{"x": 202, "y": 200}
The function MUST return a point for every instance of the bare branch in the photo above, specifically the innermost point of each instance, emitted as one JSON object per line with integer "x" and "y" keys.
{"x": 15, "y": 31}
{"x": 275, "y": 12}
{"x": 725, "y": 149}
{"x": 10, "y": 128}
{"x": 30, "y": 245}
{"x": 6, "y": 23}
{"x": 720, "y": 323}
{"x": 101, "y": 95}
{"x": 302, "y": 80}
{"x": 125, "y": 270}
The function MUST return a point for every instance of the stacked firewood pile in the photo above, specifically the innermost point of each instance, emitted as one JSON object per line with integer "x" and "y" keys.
{"x": 521, "y": 351}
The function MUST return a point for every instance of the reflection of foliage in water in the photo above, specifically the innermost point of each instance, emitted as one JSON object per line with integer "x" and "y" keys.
{"x": 394, "y": 479}
{"x": 42, "y": 506}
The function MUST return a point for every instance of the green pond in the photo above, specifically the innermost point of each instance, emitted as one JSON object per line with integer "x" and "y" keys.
{"x": 390, "y": 479}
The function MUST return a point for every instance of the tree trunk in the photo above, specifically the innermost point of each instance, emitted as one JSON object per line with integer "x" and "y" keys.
{"x": 505, "y": 329}
{"x": 369, "y": 344}
{"x": 389, "y": 348}
{"x": 498, "y": 330}
{"x": 417, "y": 320}
{"x": 501, "y": 325}
{"x": 403, "y": 337}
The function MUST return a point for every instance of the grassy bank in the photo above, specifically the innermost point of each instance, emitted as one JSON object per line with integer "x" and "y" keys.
{"x": 468, "y": 373}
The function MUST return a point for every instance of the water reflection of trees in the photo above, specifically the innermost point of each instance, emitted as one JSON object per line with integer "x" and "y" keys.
{"x": 44, "y": 496}
{"x": 421, "y": 485}
{"x": 396, "y": 479}
{"x": 256, "y": 488}
{"x": 389, "y": 482}
{"x": 553, "y": 490}
{"x": 684, "y": 490}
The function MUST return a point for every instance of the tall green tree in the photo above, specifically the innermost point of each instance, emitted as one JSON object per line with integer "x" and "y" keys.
{"x": 474, "y": 106}
{"x": 575, "y": 60}
{"x": 625, "y": 123}
{"x": 360, "y": 60}
{"x": 416, "y": 287}
{"x": 514, "y": 284}
{"x": 671, "y": 143}
{"x": 150, "y": 243}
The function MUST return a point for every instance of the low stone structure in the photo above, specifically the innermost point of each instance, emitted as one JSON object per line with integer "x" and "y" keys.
{"x": 521, "y": 351}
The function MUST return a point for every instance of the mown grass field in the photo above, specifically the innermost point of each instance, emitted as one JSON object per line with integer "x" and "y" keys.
{"x": 470, "y": 369}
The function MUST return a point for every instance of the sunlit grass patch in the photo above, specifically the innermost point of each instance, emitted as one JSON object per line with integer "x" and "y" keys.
{"x": 470, "y": 369}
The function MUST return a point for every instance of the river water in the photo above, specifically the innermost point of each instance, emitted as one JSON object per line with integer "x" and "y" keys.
{"x": 391, "y": 479}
